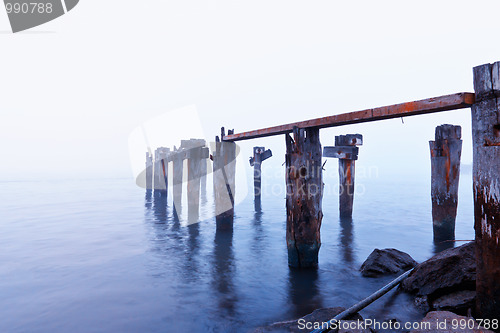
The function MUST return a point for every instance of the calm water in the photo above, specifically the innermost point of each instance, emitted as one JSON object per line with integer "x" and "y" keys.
{"x": 101, "y": 256}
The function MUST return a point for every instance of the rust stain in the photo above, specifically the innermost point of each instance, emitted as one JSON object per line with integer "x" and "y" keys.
{"x": 348, "y": 172}
{"x": 430, "y": 105}
{"x": 446, "y": 153}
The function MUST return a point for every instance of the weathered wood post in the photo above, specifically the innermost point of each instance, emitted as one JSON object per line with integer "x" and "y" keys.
{"x": 195, "y": 153}
{"x": 156, "y": 172}
{"x": 224, "y": 164}
{"x": 204, "y": 171}
{"x": 177, "y": 158}
{"x": 161, "y": 170}
{"x": 486, "y": 185}
{"x": 346, "y": 151}
{"x": 304, "y": 187}
{"x": 260, "y": 154}
{"x": 445, "y": 171}
{"x": 149, "y": 171}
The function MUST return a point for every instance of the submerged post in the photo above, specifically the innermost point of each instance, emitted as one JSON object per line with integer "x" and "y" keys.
{"x": 149, "y": 171}
{"x": 346, "y": 151}
{"x": 486, "y": 185}
{"x": 304, "y": 187}
{"x": 260, "y": 154}
{"x": 224, "y": 164}
{"x": 445, "y": 172}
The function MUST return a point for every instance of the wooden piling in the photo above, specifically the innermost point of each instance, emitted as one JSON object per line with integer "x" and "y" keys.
{"x": 260, "y": 154}
{"x": 304, "y": 194}
{"x": 346, "y": 151}
{"x": 156, "y": 172}
{"x": 161, "y": 170}
{"x": 445, "y": 171}
{"x": 149, "y": 171}
{"x": 177, "y": 174}
{"x": 204, "y": 172}
{"x": 196, "y": 153}
{"x": 224, "y": 168}
{"x": 486, "y": 185}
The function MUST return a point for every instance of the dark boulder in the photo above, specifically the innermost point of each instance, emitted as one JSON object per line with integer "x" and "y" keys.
{"x": 387, "y": 261}
{"x": 458, "y": 302}
{"x": 447, "y": 272}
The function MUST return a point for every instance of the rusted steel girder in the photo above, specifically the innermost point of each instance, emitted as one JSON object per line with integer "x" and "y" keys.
{"x": 429, "y": 105}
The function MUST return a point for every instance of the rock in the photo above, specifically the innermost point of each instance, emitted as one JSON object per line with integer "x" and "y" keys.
{"x": 422, "y": 303}
{"x": 322, "y": 315}
{"x": 458, "y": 302}
{"x": 449, "y": 271}
{"x": 445, "y": 321}
{"x": 387, "y": 261}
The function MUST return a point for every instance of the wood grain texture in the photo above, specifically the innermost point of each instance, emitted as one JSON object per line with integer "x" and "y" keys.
{"x": 486, "y": 185}
{"x": 446, "y": 151}
{"x": 303, "y": 198}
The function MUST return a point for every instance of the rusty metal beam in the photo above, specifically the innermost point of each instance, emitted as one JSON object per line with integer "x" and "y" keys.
{"x": 429, "y": 105}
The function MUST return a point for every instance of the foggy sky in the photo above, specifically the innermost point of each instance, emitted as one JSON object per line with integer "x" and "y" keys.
{"x": 73, "y": 90}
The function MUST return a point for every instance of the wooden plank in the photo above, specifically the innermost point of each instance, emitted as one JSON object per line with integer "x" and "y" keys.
{"x": 266, "y": 154}
{"x": 342, "y": 152}
{"x": 349, "y": 140}
{"x": 429, "y": 105}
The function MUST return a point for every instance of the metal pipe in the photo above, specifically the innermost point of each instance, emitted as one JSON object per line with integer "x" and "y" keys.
{"x": 367, "y": 301}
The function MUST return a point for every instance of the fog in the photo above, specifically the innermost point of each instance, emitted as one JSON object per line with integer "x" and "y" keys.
{"x": 73, "y": 91}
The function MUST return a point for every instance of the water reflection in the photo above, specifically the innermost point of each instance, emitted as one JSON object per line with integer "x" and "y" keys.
{"x": 257, "y": 204}
{"x": 304, "y": 295}
{"x": 160, "y": 208}
{"x": 223, "y": 271}
{"x": 147, "y": 199}
{"x": 191, "y": 255}
{"x": 259, "y": 234}
{"x": 346, "y": 239}
{"x": 440, "y": 246}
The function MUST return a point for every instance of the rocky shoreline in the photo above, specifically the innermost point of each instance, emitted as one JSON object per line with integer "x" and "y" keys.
{"x": 443, "y": 287}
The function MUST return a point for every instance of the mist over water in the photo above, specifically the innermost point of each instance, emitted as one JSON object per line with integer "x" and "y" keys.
{"x": 105, "y": 256}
